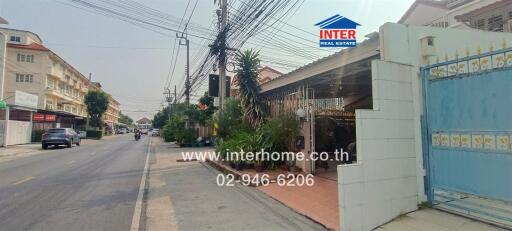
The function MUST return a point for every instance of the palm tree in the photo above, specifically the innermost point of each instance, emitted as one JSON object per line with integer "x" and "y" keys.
{"x": 247, "y": 63}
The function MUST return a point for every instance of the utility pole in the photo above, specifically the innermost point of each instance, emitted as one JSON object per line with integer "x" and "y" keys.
{"x": 87, "y": 127}
{"x": 183, "y": 37}
{"x": 168, "y": 99}
{"x": 222, "y": 53}
{"x": 175, "y": 98}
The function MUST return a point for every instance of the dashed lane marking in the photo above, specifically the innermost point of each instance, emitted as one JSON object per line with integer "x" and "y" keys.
{"x": 23, "y": 180}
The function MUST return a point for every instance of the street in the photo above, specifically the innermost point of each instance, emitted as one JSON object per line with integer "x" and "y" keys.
{"x": 91, "y": 187}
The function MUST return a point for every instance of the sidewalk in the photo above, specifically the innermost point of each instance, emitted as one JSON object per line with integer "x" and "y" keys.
{"x": 435, "y": 220}
{"x": 185, "y": 196}
{"x": 318, "y": 202}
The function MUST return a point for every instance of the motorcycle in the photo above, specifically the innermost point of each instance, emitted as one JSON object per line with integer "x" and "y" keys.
{"x": 137, "y": 136}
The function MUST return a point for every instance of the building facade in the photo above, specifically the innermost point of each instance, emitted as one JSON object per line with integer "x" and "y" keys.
{"x": 488, "y": 15}
{"x": 265, "y": 74}
{"x": 113, "y": 112}
{"x": 32, "y": 68}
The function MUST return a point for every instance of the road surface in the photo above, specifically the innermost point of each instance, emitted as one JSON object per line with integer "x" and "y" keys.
{"x": 91, "y": 187}
{"x": 96, "y": 186}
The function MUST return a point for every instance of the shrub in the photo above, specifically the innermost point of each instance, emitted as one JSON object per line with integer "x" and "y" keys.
{"x": 230, "y": 121}
{"x": 187, "y": 136}
{"x": 277, "y": 135}
{"x": 37, "y": 135}
{"x": 94, "y": 134}
{"x": 174, "y": 130}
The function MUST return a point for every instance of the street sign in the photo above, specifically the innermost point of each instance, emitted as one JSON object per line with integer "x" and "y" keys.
{"x": 3, "y": 104}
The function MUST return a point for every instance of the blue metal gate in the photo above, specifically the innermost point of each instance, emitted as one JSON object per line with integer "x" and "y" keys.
{"x": 468, "y": 135}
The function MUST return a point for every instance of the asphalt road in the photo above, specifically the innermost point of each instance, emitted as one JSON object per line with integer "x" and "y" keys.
{"x": 91, "y": 187}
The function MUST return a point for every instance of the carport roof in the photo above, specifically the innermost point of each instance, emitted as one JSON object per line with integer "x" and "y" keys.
{"x": 347, "y": 62}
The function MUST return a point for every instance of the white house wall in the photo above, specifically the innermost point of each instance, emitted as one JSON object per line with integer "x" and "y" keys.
{"x": 383, "y": 184}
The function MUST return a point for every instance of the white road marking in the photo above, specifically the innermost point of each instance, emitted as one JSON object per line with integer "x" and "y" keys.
{"x": 93, "y": 153}
{"x": 138, "y": 205}
{"x": 71, "y": 162}
{"x": 23, "y": 180}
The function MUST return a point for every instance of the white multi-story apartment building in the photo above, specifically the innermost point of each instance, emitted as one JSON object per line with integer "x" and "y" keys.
{"x": 33, "y": 68}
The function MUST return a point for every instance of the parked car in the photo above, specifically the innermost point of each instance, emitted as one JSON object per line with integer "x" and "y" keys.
{"x": 155, "y": 132}
{"x": 82, "y": 134}
{"x": 60, "y": 136}
{"x": 122, "y": 131}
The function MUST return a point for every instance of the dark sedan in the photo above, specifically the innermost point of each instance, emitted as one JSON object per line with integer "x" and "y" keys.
{"x": 60, "y": 136}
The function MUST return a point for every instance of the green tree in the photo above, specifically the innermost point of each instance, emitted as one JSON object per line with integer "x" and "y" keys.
{"x": 125, "y": 119}
{"x": 247, "y": 63}
{"x": 97, "y": 104}
{"x": 161, "y": 117}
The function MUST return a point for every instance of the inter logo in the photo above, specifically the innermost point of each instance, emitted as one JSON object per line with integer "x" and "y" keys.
{"x": 338, "y": 31}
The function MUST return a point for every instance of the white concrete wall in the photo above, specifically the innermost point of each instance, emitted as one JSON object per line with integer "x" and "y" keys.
{"x": 383, "y": 184}
{"x": 401, "y": 43}
{"x": 18, "y": 132}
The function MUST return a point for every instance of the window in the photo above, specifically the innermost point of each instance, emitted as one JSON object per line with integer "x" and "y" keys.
{"x": 49, "y": 104}
{"x": 480, "y": 24}
{"x": 15, "y": 39}
{"x": 495, "y": 23}
{"x": 24, "y": 78}
{"x": 50, "y": 83}
{"x": 25, "y": 58}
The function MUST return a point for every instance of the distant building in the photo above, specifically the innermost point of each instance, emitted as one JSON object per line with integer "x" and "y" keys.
{"x": 265, "y": 74}
{"x": 488, "y": 15}
{"x": 144, "y": 123}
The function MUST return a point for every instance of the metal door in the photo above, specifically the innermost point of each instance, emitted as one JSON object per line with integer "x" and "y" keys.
{"x": 468, "y": 133}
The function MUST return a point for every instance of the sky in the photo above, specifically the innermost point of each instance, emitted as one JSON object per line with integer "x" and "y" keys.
{"x": 132, "y": 63}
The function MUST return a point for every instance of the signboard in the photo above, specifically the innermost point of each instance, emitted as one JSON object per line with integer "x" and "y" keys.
{"x": 337, "y": 31}
{"x": 25, "y": 99}
{"x": 37, "y": 117}
{"x": 50, "y": 118}
{"x": 3, "y": 104}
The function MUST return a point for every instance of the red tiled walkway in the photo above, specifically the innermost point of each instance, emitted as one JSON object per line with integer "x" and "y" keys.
{"x": 319, "y": 202}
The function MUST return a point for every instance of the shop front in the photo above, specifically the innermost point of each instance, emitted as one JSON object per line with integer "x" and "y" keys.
{"x": 44, "y": 120}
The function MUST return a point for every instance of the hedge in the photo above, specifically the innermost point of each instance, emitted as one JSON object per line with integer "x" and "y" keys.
{"x": 94, "y": 134}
